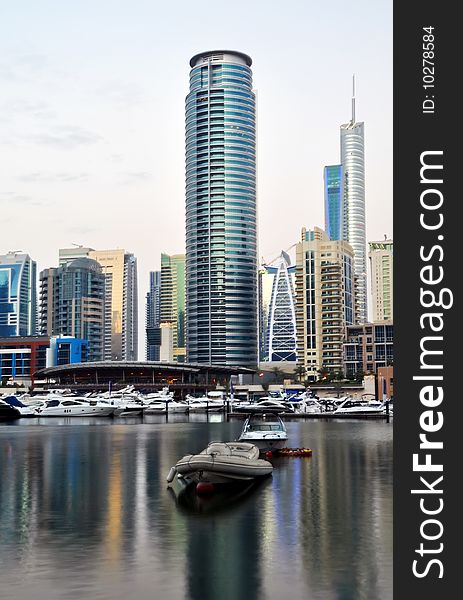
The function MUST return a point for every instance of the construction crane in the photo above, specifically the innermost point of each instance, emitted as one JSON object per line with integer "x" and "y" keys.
{"x": 265, "y": 263}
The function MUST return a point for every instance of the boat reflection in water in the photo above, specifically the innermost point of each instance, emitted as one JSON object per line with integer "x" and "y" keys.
{"x": 85, "y": 513}
{"x": 225, "y": 497}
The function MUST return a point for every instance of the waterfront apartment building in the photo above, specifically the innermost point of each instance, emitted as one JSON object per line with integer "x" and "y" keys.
{"x": 281, "y": 314}
{"x": 72, "y": 300}
{"x": 368, "y": 346}
{"x": 221, "y": 228}
{"x": 354, "y": 223}
{"x": 153, "y": 316}
{"x": 18, "y": 295}
{"x": 334, "y": 201}
{"x": 172, "y": 304}
{"x": 325, "y": 302}
{"x": 121, "y": 299}
{"x": 382, "y": 279}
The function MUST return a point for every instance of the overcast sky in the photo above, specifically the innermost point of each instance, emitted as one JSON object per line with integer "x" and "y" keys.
{"x": 92, "y": 117}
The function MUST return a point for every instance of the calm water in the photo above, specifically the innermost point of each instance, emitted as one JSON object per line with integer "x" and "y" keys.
{"x": 85, "y": 513}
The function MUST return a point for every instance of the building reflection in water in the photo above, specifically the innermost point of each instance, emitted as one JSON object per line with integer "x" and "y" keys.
{"x": 85, "y": 510}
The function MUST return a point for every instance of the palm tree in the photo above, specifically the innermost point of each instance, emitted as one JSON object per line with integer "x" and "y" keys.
{"x": 278, "y": 374}
{"x": 300, "y": 372}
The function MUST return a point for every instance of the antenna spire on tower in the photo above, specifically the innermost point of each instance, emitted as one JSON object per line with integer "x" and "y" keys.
{"x": 353, "y": 98}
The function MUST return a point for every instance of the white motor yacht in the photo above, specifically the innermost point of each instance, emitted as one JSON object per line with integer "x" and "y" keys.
{"x": 128, "y": 408}
{"x": 266, "y": 431}
{"x": 359, "y": 407}
{"x": 70, "y": 407}
{"x": 204, "y": 404}
{"x": 158, "y": 407}
{"x": 221, "y": 462}
{"x": 164, "y": 394}
{"x": 308, "y": 406}
{"x": 23, "y": 410}
{"x": 276, "y": 406}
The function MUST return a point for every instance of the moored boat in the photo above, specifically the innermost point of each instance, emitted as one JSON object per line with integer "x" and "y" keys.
{"x": 266, "y": 431}
{"x": 221, "y": 462}
{"x": 358, "y": 407}
{"x": 70, "y": 407}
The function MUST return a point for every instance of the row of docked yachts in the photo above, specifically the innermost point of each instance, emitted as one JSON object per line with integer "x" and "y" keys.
{"x": 63, "y": 403}
{"x": 129, "y": 402}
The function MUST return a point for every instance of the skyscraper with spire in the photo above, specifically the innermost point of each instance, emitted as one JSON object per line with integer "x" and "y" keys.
{"x": 353, "y": 221}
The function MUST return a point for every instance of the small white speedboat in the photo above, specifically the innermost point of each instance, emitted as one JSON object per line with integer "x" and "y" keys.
{"x": 221, "y": 462}
{"x": 266, "y": 431}
{"x": 70, "y": 407}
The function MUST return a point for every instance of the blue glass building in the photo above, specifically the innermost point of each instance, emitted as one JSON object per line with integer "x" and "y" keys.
{"x": 334, "y": 209}
{"x": 18, "y": 295}
{"x": 221, "y": 235}
{"x": 153, "y": 316}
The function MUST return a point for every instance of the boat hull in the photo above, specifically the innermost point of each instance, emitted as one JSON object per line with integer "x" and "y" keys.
{"x": 77, "y": 411}
{"x": 266, "y": 444}
{"x": 222, "y": 463}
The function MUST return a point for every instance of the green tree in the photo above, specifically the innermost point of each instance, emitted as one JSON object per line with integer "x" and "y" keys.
{"x": 278, "y": 374}
{"x": 300, "y": 372}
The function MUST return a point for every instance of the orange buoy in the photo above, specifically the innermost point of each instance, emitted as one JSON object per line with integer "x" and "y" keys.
{"x": 204, "y": 487}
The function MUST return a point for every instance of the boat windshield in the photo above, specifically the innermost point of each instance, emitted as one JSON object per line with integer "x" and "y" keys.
{"x": 52, "y": 403}
{"x": 264, "y": 427}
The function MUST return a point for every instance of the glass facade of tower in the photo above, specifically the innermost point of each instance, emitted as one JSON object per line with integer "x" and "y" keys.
{"x": 281, "y": 333}
{"x": 172, "y": 301}
{"x": 221, "y": 238}
{"x": 18, "y": 296}
{"x": 334, "y": 191}
{"x": 353, "y": 162}
{"x": 153, "y": 316}
{"x": 72, "y": 303}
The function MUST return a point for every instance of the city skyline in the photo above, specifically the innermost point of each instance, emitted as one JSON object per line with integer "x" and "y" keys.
{"x": 81, "y": 124}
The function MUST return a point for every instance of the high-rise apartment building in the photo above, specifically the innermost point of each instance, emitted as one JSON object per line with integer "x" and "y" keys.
{"x": 221, "y": 234}
{"x": 121, "y": 296}
{"x": 334, "y": 201}
{"x": 172, "y": 301}
{"x": 72, "y": 303}
{"x": 18, "y": 295}
{"x": 354, "y": 224}
{"x": 153, "y": 316}
{"x": 381, "y": 256}
{"x": 325, "y": 301}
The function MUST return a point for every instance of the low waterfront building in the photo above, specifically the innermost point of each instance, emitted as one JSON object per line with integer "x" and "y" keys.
{"x": 22, "y": 356}
{"x": 368, "y": 347}
{"x": 385, "y": 383}
{"x": 18, "y": 295}
{"x": 182, "y": 378}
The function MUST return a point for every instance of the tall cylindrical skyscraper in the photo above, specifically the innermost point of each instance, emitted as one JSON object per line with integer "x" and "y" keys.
{"x": 221, "y": 226}
{"x": 354, "y": 222}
